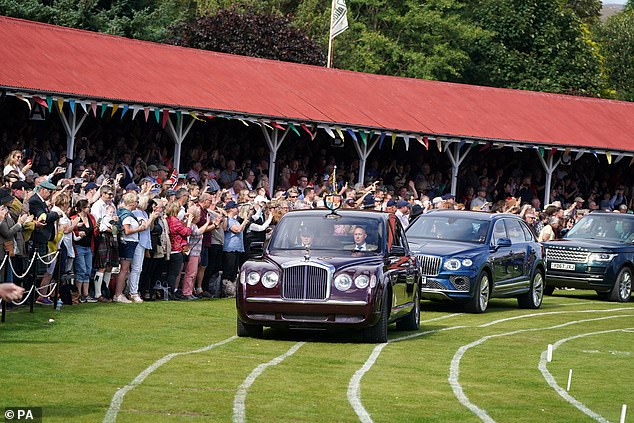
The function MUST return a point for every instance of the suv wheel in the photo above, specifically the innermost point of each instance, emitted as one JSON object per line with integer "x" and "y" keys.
{"x": 480, "y": 300}
{"x": 622, "y": 290}
{"x": 246, "y": 330}
{"x": 533, "y": 298}
{"x": 377, "y": 334}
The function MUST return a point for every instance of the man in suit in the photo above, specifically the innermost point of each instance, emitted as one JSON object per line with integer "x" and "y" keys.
{"x": 359, "y": 234}
{"x": 44, "y": 232}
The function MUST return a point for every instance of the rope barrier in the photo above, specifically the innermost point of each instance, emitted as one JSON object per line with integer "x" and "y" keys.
{"x": 27, "y": 270}
{"x": 28, "y": 294}
{"x": 54, "y": 254}
{"x": 52, "y": 285}
{"x": 4, "y": 260}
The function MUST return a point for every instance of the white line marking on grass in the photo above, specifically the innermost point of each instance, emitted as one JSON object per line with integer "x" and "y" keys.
{"x": 508, "y": 319}
{"x": 442, "y": 317}
{"x": 117, "y": 399}
{"x": 454, "y": 370}
{"x": 354, "y": 386}
{"x": 239, "y": 414}
{"x": 562, "y": 393}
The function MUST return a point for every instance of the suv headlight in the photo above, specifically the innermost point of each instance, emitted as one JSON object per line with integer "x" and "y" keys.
{"x": 343, "y": 282}
{"x": 253, "y": 278}
{"x": 361, "y": 281}
{"x": 270, "y": 278}
{"x": 452, "y": 264}
{"x": 601, "y": 257}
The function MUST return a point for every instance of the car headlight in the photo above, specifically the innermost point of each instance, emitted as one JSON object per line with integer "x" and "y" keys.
{"x": 467, "y": 262}
{"x": 343, "y": 282}
{"x": 372, "y": 281}
{"x": 361, "y": 281}
{"x": 253, "y": 278}
{"x": 452, "y": 264}
{"x": 601, "y": 257}
{"x": 242, "y": 276}
{"x": 270, "y": 279}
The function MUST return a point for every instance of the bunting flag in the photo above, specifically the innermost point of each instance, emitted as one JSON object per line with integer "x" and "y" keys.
{"x": 193, "y": 115}
{"x": 60, "y": 104}
{"x": 93, "y": 107}
{"x": 426, "y": 141}
{"x": 328, "y": 130}
{"x": 608, "y": 156}
{"x": 157, "y": 115}
{"x": 364, "y": 137}
{"x": 631, "y": 161}
{"x": 146, "y": 113}
{"x": 618, "y": 158}
{"x": 278, "y": 126}
{"x": 596, "y": 156}
{"x": 72, "y": 106}
{"x": 393, "y": 140}
{"x": 552, "y": 152}
{"x": 352, "y": 134}
{"x": 124, "y": 110}
{"x": 381, "y": 139}
{"x": 305, "y": 128}
{"x": 439, "y": 144}
{"x": 290, "y": 125}
{"x": 135, "y": 110}
{"x": 262, "y": 123}
{"x": 461, "y": 144}
{"x": 338, "y": 129}
{"x": 516, "y": 149}
{"x": 104, "y": 106}
{"x": 115, "y": 107}
{"x": 40, "y": 101}
{"x": 166, "y": 115}
{"x": 406, "y": 139}
{"x": 49, "y": 103}
{"x": 26, "y": 100}
{"x": 83, "y": 106}
{"x": 243, "y": 122}
{"x": 541, "y": 151}
{"x": 178, "y": 118}
{"x": 210, "y": 117}
{"x": 579, "y": 154}
{"x": 485, "y": 146}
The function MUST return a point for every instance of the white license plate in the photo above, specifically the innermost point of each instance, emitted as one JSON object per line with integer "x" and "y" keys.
{"x": 562, "y": 266}
{"x": 423, "y": 280}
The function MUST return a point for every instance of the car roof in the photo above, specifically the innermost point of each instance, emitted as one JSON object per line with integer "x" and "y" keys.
{"x": 471, "y": 214}
{"x": 342, "y": 212}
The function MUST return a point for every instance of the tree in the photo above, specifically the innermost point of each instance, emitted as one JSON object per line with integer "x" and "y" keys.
{"x": 537, "y": 45}
{"x": 250, "y": 34}
{"x": 617, "y": 46}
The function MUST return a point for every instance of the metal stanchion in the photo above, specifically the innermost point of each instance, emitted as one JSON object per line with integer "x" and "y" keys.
{"x": 4, "y": 310}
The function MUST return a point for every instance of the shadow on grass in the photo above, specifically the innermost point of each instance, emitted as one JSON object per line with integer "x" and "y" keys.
{"x": 496, "y": 305}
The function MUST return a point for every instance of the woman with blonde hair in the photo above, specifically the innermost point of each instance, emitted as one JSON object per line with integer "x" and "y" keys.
{"x": 13, "y": 162}
{"x": 144, "y": 244}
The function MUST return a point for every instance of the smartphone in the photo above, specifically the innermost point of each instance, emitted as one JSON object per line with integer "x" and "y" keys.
{"x": 77, "y": 181}
{"x": 29, "y": 161}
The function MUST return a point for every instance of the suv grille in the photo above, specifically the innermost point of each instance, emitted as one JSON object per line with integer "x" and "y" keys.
{"x": 305, "y": 282}
{"x": 564, "y": 254}
{"x": 429, "y": 265}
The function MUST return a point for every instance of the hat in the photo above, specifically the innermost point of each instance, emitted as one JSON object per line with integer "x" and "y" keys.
{"x": 163, "y": 168}
{"x": 47, "y": 185}
{"x": 403, "y": 203}
{"x": 19, "y": 185}
{"x": 132, "y": 187}
{"x": 170, "y": 192}
{"x": 579, "y": 200}
{"x": 368, "y": 201}
{"x": 436, "y": 200}
{"x": 448, "y": 197}
{"x": 391, "y": 203}
{"x": 349, "y": 202}
{"x": 231, "y": 205}
{"x": 152, "y": 168}
{"x": 416, "y": 210}
{"x": 212, "y": 185}
{"x": 5, "y": 196}
{"x": 260, "y": 199}
{"x": 529, "y": 214}
{"x": 90, "y": 185}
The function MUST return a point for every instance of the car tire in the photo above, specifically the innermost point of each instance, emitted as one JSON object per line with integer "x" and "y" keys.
{"x": 246, "y": 330}
{"x": 548, "y": 290}
{"x": 412, "y": 320}
{"x": 481, "y": 296}
{"x": 535, "y": 295}
{"x": 377, "y": 334}
{"x": 622, "y": 291}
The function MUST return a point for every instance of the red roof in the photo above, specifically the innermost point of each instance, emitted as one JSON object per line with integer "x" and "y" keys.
{"x": 41, "y": 58}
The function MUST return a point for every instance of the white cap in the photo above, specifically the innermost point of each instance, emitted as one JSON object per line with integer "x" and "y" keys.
{"x": 260, "y": 199}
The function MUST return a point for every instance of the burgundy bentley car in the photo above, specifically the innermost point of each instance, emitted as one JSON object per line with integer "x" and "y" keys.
{"x": 322, "y": 270}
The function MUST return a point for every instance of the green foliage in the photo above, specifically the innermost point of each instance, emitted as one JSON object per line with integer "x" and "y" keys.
{"x": 617, "y": 46}
{"x": 248, "y": 33}
{"x": 536, "y": 45}
{"x": 589, "y": 11}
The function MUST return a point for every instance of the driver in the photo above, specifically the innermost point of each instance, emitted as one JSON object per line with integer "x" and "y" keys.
{"x": 359, "y": 234}
{"x": 306, "y": 236}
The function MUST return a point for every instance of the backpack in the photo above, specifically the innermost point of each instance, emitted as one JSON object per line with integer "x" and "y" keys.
{"x": 123, "y": 214}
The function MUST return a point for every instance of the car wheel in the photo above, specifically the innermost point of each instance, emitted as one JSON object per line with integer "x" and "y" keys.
{"x": 548, "y": 290}
{"x": 480, "y": 300}
{"x": 246, "y": 330}
{"x": 377, "y": 334}
{"x": 412, "y": 320}
{"x": 533, "y": 298}
{"x": 622, "y": 290}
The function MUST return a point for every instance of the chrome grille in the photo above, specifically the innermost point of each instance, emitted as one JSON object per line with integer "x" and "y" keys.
{"x": 564, "y": 254}
{"x": 429, "y": 265}
{"x": 305, "y": 282}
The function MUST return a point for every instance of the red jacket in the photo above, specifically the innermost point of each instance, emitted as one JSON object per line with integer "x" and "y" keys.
{"x": 95, "y": 230}
{"x": 178, "y": 233}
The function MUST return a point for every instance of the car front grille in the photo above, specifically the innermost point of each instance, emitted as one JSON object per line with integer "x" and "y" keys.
{"x": 305, "y": 282}
{"x": 565, "y": 254}
{"x": 429, "y": 265}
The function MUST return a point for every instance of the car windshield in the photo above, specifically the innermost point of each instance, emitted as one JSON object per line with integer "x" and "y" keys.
{"x": 607, "y": 226}
{"x": 450, "y": 228}
{"x": 318, "y": 232}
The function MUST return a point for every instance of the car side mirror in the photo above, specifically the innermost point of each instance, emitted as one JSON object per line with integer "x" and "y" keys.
{"x": 257, "y": 248}
{"x": 503, "y": 242}
{"x": 397, "y": 251}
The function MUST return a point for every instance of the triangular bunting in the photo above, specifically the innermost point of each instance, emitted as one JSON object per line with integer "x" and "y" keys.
{"x": 124, "y": 110}
{"x": 49, "y": 103}
{"x": 178, "y": 118}
{"x": 406, "y": 139}
{"x": 146, "y": 113}
{"x": 381, "y": 138}
{"x": 40, "y": 101}
{"x": 328, "y": 130}
{"x": 115, "y": 107}
{"x": 393, "y": 140}
{"x": 135, "y": 110}
{"x": 439, "y": 144}
{"x": 608, "y": 156}
{"x": 243, "y": 122}
{"x": 305, "y": 128}
{"x": 93, "y": 107}
{"x": 72, "y": 106}
{"x": 290, "y": 125}
{"x": 192, "y": 114}
{"x": 352, "y": 134}
{"x": 541, "y": 151}
{"x": 83, "y": 105}
{"x": 166, "y": 115}
{"x": 426, "y": 142}
{"x": 338, "y": 129}
{"x": 60, "y": 104}
{"x": 104, "y": 106}
{"x": 485, "y": 146}
{"x": 157, "y": 115}
{"x": 278, "y": 126}
{"x": 364, "y": 137}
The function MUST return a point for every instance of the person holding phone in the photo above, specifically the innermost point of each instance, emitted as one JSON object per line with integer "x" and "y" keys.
{"x": 13, "y": 162}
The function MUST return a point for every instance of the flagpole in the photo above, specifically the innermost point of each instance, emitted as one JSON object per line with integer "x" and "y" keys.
{"x": 332, "y": 14}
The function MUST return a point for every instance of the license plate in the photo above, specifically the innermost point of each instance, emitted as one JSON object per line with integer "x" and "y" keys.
{"x": 423, "y": 280}
{"x": 562, "y": 266}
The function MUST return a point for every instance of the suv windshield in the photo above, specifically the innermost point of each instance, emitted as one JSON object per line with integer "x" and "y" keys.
{"x": 607, "y": 226}
{"x": 450, "y": 228}
{"x": 343, "y": 233}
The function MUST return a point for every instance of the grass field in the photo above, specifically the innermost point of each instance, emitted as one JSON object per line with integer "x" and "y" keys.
{"x": 458, "y": 367}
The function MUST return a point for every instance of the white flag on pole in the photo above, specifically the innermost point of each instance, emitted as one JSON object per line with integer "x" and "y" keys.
{"x": 339, "y": 21}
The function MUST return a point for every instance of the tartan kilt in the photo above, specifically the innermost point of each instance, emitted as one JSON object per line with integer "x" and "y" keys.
{"x": 40, "y": 267}
{"x": 106, "y": 251}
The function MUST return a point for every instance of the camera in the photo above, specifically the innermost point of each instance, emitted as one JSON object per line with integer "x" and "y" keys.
{"x": 78, "y": 181}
